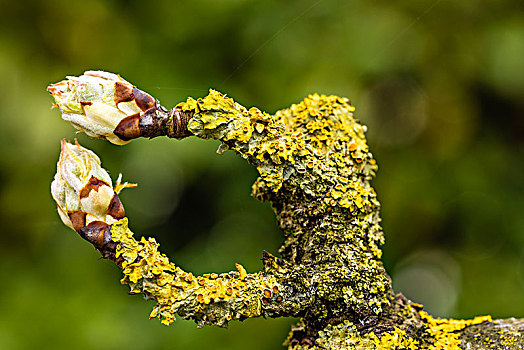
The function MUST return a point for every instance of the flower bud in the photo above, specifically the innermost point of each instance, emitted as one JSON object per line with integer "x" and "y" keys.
{"x": 96, "y": 102}
{"x": 83, "y": 189}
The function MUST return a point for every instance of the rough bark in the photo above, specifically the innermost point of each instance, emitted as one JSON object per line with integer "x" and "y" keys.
{"x": 315, "y": 171}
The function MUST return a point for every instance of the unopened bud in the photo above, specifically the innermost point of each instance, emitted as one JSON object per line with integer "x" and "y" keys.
{"x": 83, "y": 189}
{"x": 96, "y": 102}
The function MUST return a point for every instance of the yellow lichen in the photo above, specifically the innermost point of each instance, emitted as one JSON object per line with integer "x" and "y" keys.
{"x": 445, "y": 331}
{"x": 316, "y": 149}
{"x": 346, "y": 336}
{"x": 292, "y": 140}
{"x": 507, "y": 339}
{"x": 444, "y": 335}
{"x": 396, "y": 339}
{"x": 149, "y": 272}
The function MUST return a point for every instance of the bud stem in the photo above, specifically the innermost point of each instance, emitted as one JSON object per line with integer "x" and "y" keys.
{"x": 156, "y": 121}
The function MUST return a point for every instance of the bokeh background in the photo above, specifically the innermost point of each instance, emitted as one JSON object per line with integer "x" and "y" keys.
{"x": 439, "y": 83}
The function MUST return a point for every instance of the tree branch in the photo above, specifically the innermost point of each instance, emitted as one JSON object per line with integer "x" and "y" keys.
{"x": 315, "y": 170}
{"x": 210, "y": 299}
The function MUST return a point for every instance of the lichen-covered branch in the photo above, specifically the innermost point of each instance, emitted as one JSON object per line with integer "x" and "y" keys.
{"x": 88, "y": 203}
{"x": 315, "y": 170}
{"x": 211, "y": 299}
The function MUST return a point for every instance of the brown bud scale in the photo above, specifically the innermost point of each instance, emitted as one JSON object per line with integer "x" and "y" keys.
{"x": 93, "y": 184}
{"x": 78, "y": 219}
{"x": 152, "y": 122}
{"x": 128, "y": 128}
{"x": 143, "y": 100}
{"x": 97, "y": 233}
{"x": 123, "y": 93}
{"x": 116, "y": 209}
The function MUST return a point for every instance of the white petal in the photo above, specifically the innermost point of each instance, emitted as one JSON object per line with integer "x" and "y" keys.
{"x": 97, "y": 202}
{"x": 71, "y": 200}
{"x": 103, "y": 115}
{"x": 57, "y": 191}
{"x": 115, "y": 139}
{"x": 90, "y": 218}
{"x": 104, "y": 75}
{"x": 64, "y": 217}
{"x": 109, "y": 220}
{"x": 129, "y": 108}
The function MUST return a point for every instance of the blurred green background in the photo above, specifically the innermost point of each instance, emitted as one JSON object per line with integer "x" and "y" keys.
{"x": 439, "y": 83}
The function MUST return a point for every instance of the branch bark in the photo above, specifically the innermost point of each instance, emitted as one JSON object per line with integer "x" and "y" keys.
{"x": 315, "y": 170}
